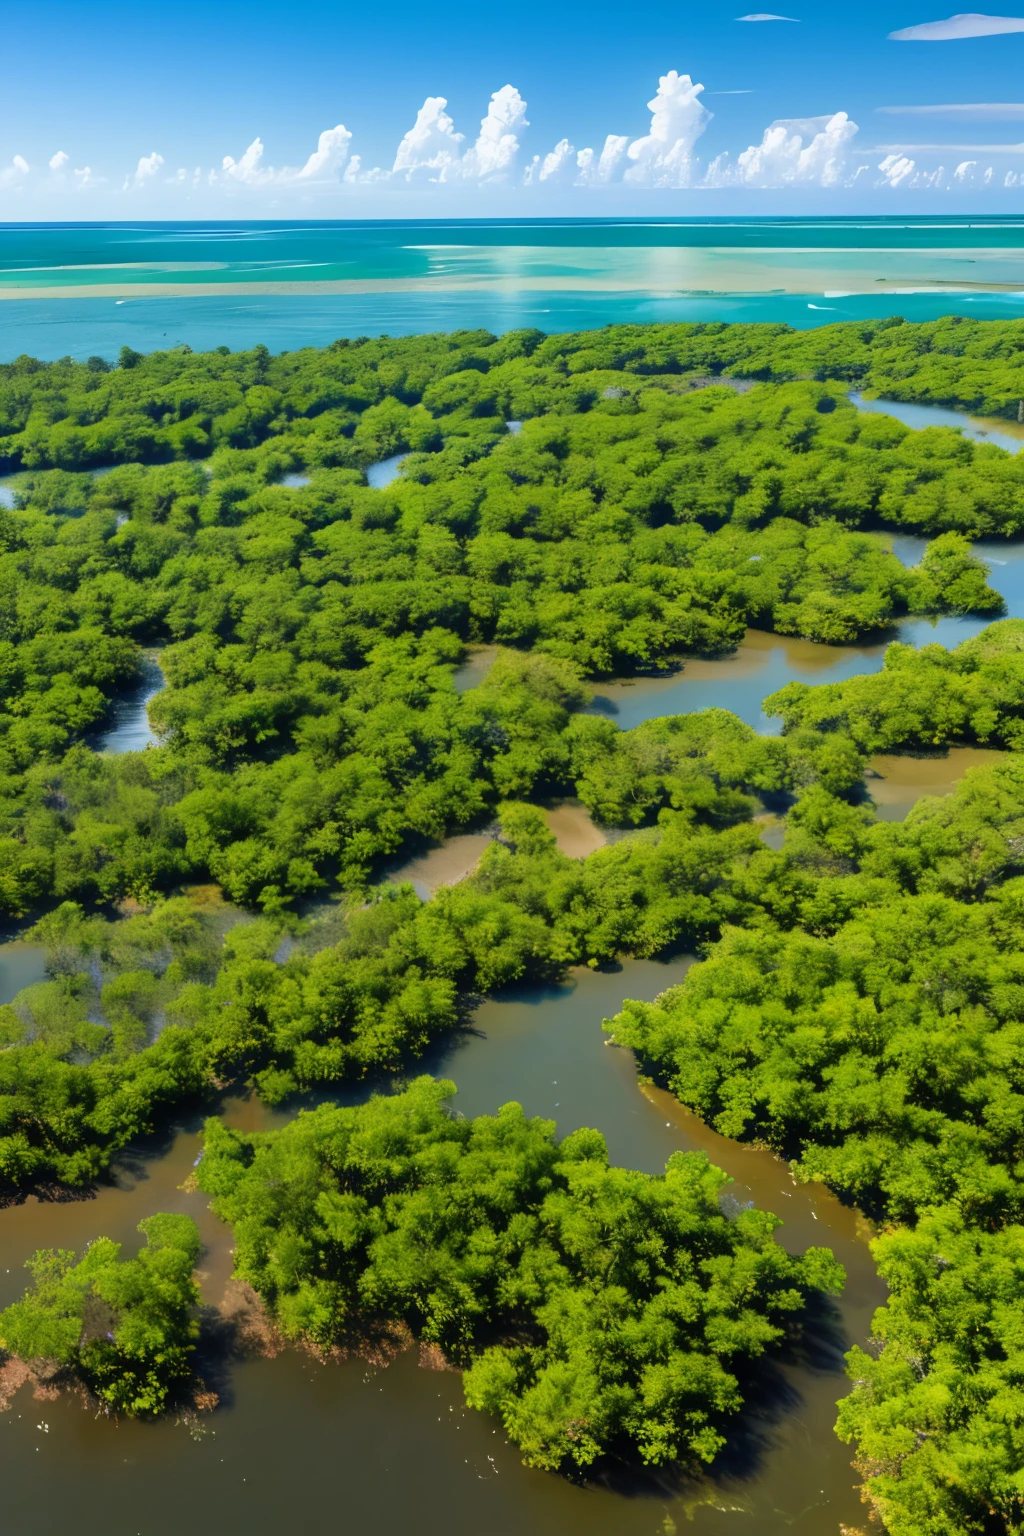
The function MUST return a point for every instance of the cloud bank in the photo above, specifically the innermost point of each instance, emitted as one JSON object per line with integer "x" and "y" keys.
{"x": 823, "y": 153}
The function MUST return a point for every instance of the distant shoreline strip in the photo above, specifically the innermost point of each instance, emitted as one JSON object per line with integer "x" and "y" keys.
{"x": 356, "y": 286}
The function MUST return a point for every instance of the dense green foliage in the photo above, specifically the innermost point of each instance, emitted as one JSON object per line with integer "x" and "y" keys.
{"x": 925, "y": 698}
{"x": 861, "y": 1007}
{"x": 309, "y": 633}
{"x": 127, "y": 1328}
{"x": 73, "y": 1093}
{"x": 598, "y": 1309}
{"x": 879, "y": 1046}
{"x": 936, "y": 1405}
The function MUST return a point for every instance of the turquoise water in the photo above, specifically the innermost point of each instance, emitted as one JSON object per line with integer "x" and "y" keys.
{"x": 81, "y": 289}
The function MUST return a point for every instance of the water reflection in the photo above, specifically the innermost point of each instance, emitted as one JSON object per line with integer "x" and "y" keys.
{"x": 401, "y": 1442}
{"x": 131, "y": 730}
{"x": 739, "y": 682}
{"x": 545, "y": 1048}
{"x": 980, "y": 429}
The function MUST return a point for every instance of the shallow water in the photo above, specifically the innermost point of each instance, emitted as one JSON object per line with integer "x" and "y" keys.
{"x": 21, "y": 965}
{"x": 980, "y": 429}
{"x": 456, "y": 858}
{"x": 576, "y": 833}
{"x": 131, "y": 730}
{"x": 739, "y": 682}
{"x": 399, "y": 1441}
{"x": 381, "y": 474}
{"x": 475, "y": 668}
{"x": 896, "y": 783}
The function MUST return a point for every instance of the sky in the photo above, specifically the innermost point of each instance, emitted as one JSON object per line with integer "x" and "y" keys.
{"x": 115, "y": 111}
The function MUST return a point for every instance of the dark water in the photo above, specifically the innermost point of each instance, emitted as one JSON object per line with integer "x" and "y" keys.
{"x": 131, "y": 730}
{"x": 395, "y": 1450}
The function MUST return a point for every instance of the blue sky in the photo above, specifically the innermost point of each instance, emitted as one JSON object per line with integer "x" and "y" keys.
{"x": 146, "y": 104}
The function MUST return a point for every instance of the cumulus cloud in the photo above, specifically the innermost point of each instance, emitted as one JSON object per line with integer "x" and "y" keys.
{"x": 144, "y": 172}
{"x": 326, "y": 163}
{"x": 330, "y": 156}
{"x": 963, "y": 24}
{"x": 249, "y": 168}
{"x": 598, "y": 171}
{"x": 433, "y": 146}
{"x": 792, "y": 151}
{"x": 664, "y": 156}
{"x": 431, "y": 143}
{"x": 497, "y": 145}
{"x": 14, "y": 172}
{"x": 58, "y": 161}
{"x": 555, "y": 166}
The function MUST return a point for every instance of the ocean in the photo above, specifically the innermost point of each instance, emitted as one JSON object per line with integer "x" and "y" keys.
{"x": 81, "y": 289}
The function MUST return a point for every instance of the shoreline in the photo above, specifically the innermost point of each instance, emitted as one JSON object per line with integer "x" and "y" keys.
{"x": 340, "y": 287}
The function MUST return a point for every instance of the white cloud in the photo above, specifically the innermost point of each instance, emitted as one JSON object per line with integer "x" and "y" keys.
{"x": 497, "y": 145}
{"x": 606, "y": 167}
{"x": 326, "y": 163}
{"x": 963, "y": 171}
{"x": 963, "y": 24}
{"x": 895, "y": 169}
{"x": 144, "y": 172}
{"x": 248, "y": 169}
{"x": 432, "y": 144}
{"x": 329, "y": 157}
{"x": 664, "y": 158}
{"x": 807, "y": 151}
{"x": 765, "y": 16}
{"x": 554, "y": 166}
{"x": 14, "y": 172}
{"x": 998, "y": 111}
{"x": 58, "y": 161}
{"x": 967, "y": 149}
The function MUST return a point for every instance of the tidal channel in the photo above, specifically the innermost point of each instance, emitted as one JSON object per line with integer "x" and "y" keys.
{"x": 299, "y": 1444}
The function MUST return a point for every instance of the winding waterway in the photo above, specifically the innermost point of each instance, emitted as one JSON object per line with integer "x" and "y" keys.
{"x": 299, "y": 1444}
{"x": 397, "y": 1446}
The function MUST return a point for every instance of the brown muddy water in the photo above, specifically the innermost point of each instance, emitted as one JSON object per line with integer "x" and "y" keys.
{"x": 301, "y": 1445}
{"x": 575, "y": 833}
{"x": 897, "y": 782}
